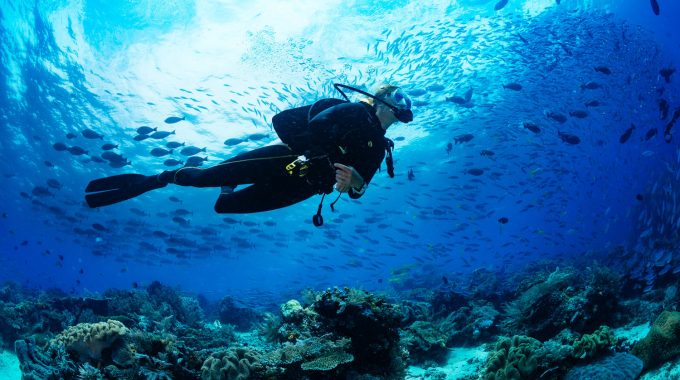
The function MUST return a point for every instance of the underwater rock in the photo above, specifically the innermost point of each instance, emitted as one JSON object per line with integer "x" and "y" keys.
{"x": 242, "y": 318}
{"x": 662, "y": 343}
{"x": 425, "y": 341}
{"x": 620, "y": 366}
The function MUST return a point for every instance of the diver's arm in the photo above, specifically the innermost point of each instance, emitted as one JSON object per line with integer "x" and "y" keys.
{"x": 348, "y": 178}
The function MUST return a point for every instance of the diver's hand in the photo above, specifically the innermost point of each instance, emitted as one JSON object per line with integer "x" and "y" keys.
{"x": 347, "y": 177}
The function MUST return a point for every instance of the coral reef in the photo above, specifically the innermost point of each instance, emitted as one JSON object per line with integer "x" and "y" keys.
{"x": 88, "y": 340}
{"x": 564, "y": 299}
{"x": 662, "y": 343}
{"x": 342, "y": 334}
{"x": 590, "y": 345}
{"x": 514, "y": 358}
{"x": 620, "y": 366}
{"x": 232, "y": 364}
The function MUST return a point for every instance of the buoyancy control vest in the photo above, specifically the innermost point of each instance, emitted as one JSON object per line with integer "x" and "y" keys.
{"x": 294, "y": 122}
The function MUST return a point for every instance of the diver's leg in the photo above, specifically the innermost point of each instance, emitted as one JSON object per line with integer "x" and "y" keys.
{"x": 259, "y": 165}
{"x": 265, "y": 196}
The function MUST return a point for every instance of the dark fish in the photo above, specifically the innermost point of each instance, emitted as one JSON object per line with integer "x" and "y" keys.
{"x": 49, "y": 164}
{"x": 160, "y": 152}
{"x": 522, "y": 38}
{"x": 475, "y": 172}
{"x": 160, "y": 234}
{"x": 445, "y": 280}
{"x": 119, "y": 164}
{"x": 141, "y": 137}
{"x": 233, "y": 141}
{"x": 59, "y": 147}
{"x": 172, "y": 162}
{"x": 191, "y": 150}
{"x": 146, "y": 130}
{"x": 173, "y": 119}
{"x": 503, "y": 220}
{"x": 663, "y": 109}
{"x": 400, "y": 138}
{"x": 655, "y": 7}
{"x": 138, "y": 212}
{"x": 579, "y": 114}
{"x": 500, "y": 5}
{"x": 593, "y": 103}
{"x": 626, "y": 135}
{"x": 486, "y": 153}
{"x": 513, "y": 86}
{"x": 449, "y": 148}
{"x": 603, "y": 69}
{"x": 71, "y": 135}
{"x": 112, "y": 156}
{"x": 109, "y": 146}
{"x": 463, "y": 138}
{"x": 97, "y": 159}
{"x": 99, "y": 227}
{"x": 569, "y": 138}
{"x": 532, "y": 127}
{"x": 174, "y": 144}
{"x": 90, "y": 134}
{"x": 417, "y": 92}
{"x": 411, "y": 176}
{"x": 161, "y": 135}
{"x": 174, "y": 199}
{"x": 558, "y": 117}
{"x": 41, "y": 191}
{"x": 181, "y": 221}
{"x": 182, "y": 212}
{"x": 76, "y": 151}
{"x": 667, "y": 135}
{"x": 256, "y": 137}
{"x": 590, "y": 86}
{"x": 650, "y": 134}
{"x": 461, "y": 100}
{"x": 230, "y": 220}
{"x": 196, "y": 161}
{"x": 53, "y": 183}
{"x": 639, "y": 197}
{"x": 435, "y": 87}
{"x": 666, "y": 73}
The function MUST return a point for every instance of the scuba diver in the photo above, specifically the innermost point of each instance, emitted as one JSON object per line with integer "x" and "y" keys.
{"x": 331, "y": 142}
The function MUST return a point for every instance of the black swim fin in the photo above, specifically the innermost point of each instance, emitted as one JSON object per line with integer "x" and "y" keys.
{"x": 110, "y": 190}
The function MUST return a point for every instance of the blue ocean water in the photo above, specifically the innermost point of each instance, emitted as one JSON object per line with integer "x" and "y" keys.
{"x": 504, "y": 199}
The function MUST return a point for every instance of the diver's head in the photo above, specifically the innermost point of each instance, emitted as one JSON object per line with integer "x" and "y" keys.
{"x": 399, "y": 108}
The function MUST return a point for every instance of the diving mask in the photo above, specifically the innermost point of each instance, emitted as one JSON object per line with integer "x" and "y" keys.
{"x": 402, "y": 105}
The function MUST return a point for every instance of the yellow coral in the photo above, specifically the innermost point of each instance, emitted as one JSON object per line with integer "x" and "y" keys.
{"x": 90, "y": 339}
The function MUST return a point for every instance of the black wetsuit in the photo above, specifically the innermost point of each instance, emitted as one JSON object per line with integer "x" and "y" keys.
{"x": 347, "y": 133}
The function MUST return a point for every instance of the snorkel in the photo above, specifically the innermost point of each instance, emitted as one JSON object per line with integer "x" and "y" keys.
{"x": 402, "y": 111}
